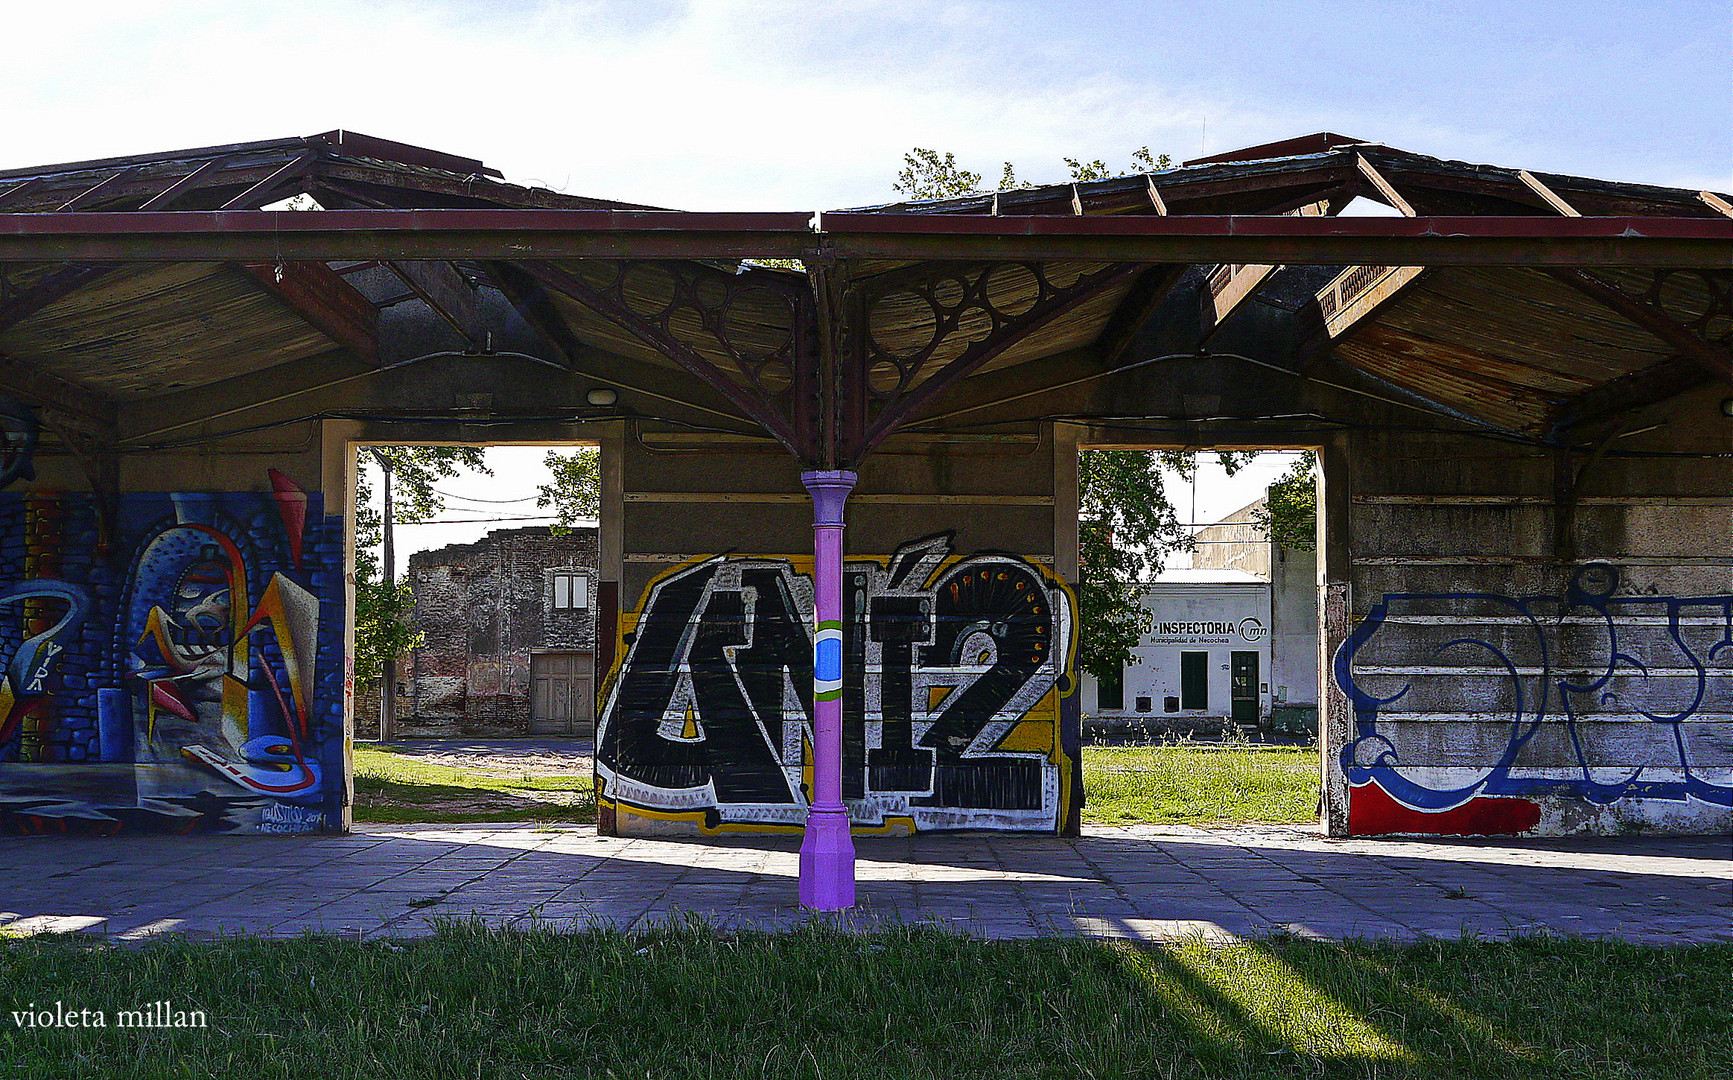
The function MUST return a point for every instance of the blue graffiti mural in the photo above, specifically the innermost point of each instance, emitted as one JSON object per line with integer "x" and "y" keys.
{"x": 1553, "y": 665}
{"x": 187, "y": 678}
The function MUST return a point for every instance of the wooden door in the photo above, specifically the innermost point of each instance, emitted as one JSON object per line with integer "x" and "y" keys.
{"x": 562, "y": 699}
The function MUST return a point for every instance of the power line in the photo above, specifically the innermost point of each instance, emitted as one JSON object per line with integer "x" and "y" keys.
{"x": 478, "y": 521}
{"x": 471, "y": 498}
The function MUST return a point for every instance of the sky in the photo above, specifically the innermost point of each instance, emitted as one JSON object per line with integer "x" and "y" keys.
{"x": 810, "y": 105}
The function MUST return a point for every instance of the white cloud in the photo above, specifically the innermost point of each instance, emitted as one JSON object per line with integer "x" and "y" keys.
{"x": 707, "y": 105}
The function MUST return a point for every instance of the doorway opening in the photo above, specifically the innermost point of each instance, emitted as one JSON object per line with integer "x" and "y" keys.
{"x": 1199, "y": 650}
{"x": 476, "y": 618}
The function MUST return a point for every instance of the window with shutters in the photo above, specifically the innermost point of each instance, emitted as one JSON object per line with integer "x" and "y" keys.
{"x": 571, "y": 591}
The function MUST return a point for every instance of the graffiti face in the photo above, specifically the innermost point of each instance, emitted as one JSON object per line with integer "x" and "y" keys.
{"x": 1599, "y": 698}
{"x": 198, "y": 689}
{"x": 949, "y": 674}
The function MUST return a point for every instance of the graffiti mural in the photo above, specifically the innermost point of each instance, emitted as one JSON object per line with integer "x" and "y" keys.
{"x": 188, "y": 678}
{"x": 952, "y": 673}
{"x": 1597, "y": 696}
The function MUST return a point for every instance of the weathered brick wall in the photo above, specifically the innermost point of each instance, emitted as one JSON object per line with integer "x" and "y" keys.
{"x": 482, "y": 609}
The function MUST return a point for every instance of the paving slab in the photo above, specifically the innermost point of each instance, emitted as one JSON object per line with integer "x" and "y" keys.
{"x": 1142, "y": 883}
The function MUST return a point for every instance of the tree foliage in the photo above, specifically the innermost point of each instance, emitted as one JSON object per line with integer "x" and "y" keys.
{"x": 928, "y": 174}
{"x": 382, "y": 624}
{"x": 1125, "y": 522}
{"x": 383, "y": 627}
{"x": 576, "y": 491}
{"x": 1126, "y": 525}
{"x": 1290, "y": 517}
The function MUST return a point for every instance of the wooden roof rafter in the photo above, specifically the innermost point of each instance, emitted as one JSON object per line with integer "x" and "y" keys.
{"x": 1651, "y": 314}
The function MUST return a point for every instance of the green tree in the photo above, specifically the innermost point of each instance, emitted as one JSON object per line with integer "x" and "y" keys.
{"x": 383, "y": 629}
{"x": 576, "y": 491}
{"x": 1125, "y": 522}
{"x": 1290, "y": 516}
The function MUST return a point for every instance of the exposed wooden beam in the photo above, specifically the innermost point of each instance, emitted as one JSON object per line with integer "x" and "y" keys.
{"x": 1076, "y": 201}
{"x": 441, "y": 287}
{"x": 1353, "y": 295}
{"x": 1716, "y": 201}
{"x": 1347, "y": 304}
{"x": 1628, "y": 393}
{"x": 255, "y": 194}
{"x": 20, "y": 189}
{"x": 91, "y": 193}
{"x": 320, "y": 295}
{"x": 55, "y": 286}
{"x": 1548, "y": 195}
{"x": 1153, "y": 285}
{"x": 163, "y": 199}
{"x": 1377, "y": 179}
{"x": 1230, "y": 285}
{"x": 27, "y": 381}
{"x": 1714, "y": 358}
{"x": 1155, "y": 198}
{"x": 1237, "y": 282}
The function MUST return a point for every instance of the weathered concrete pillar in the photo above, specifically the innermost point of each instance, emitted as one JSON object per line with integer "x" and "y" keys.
{"x": 1335, "y": 620}
{"x": 827, "y": 851}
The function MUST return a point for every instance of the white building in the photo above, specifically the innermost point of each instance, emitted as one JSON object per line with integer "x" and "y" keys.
{"x": 1238, "y": 542}
{"x": 1206, "y": 656}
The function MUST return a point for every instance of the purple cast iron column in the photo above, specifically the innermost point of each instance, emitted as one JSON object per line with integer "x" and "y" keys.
{"x": 827, "y": 852}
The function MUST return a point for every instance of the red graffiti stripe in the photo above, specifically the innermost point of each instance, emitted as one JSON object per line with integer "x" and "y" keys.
{"x": 1373, "y": 812}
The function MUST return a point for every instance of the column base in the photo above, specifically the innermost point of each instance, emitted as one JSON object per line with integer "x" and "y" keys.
{"x": 827, "y": 861}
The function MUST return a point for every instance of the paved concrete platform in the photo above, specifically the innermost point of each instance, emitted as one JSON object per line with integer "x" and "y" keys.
{"x": 1141, "y": 882}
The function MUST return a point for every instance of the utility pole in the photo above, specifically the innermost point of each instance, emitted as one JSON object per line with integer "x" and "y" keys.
{"x": 388, "y": 680}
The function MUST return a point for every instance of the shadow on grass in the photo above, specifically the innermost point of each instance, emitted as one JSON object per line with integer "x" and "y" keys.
{"x": 410, "y": 801}
{"x": 686, "y": 1000}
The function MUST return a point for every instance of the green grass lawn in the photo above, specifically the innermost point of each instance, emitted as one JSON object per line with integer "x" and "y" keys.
{"x": 1195, "y": 785}
{"x": 393, "y": 788}
{"x": 1124, "y": 784}
{"x": 920, "y": 1002}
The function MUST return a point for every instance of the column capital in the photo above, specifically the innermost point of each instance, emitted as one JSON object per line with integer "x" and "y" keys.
{"x": 829, "y": 488}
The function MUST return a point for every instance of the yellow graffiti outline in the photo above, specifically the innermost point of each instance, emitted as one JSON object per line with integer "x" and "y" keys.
{"x": 803, "y": 564}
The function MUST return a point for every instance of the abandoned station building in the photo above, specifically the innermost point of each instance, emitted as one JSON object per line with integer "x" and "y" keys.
{"x": 1520, "y": 392}
{"x": 508, "y": 631}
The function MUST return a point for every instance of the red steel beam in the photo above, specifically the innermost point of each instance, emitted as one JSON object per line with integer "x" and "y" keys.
{"x": 533, "y": 234}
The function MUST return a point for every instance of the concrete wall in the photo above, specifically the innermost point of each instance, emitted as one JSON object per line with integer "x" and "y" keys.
{"x": 1294, "y": 627}
{"x": 483, "y": 609}
{"x": 959, "y": 640}
{"x": 1531, "y": 643}
{"x": 1236, "y": 542}
{"x": 175, "y": 657}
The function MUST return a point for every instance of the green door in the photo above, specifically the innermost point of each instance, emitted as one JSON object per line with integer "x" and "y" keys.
{"x": 1194, "y": 680}
{"x": 1243, "y": 687}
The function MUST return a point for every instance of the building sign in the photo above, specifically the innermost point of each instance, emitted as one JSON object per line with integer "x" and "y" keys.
{"x": 1207, "y": 632}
